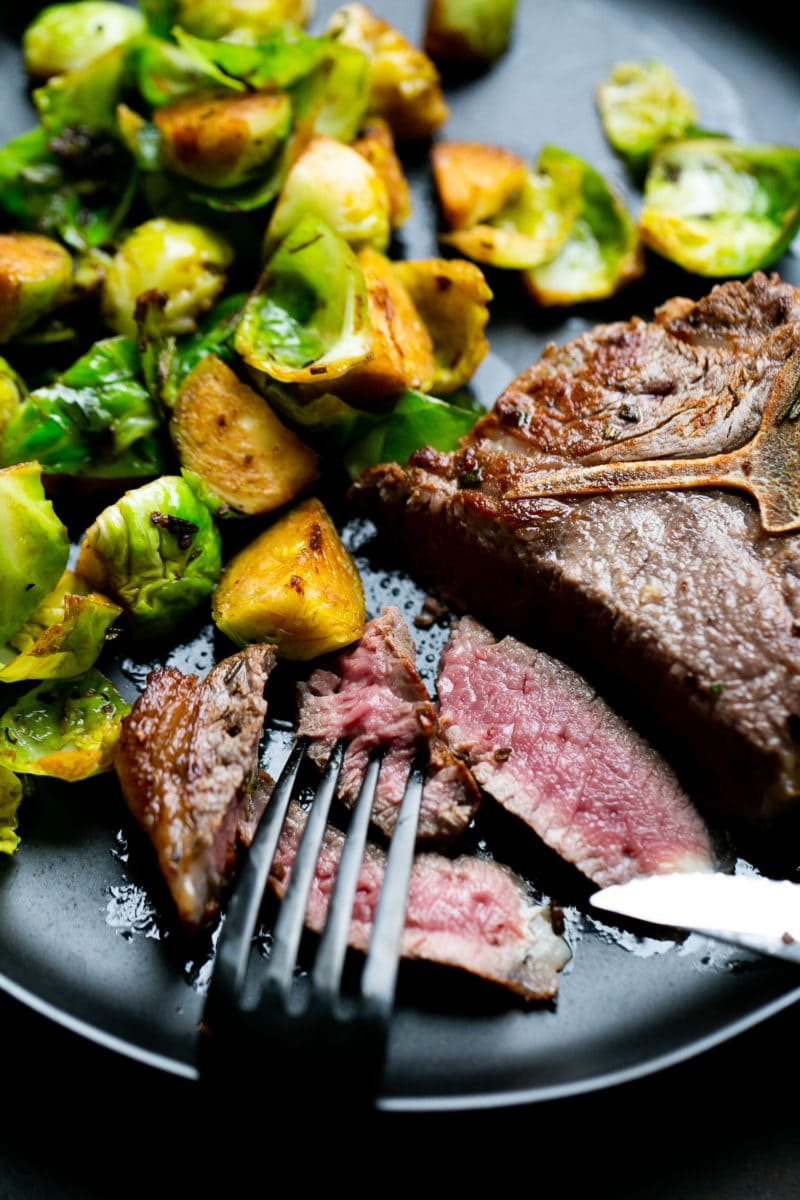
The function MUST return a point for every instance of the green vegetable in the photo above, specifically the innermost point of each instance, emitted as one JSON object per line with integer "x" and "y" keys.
{"x": 602, "y": 251}
{"x": 468, "y": 32}
{"x": 66, "y": 37}
{"x": 186, "y": 262}
{"x": 274, "y": 61}
{"x": 12, "y": 393}
{"x": 10, "y": 797}
{"x": 720, "y": 207}
{"x": 333, "y": 98}
{"x": 167, "y": 359}
{"x": 307, "y": 320}
{"x": 642, "y": 104}
{"x": 156, "y": 551}
{"x": 415, "y": 420}
{"x": 66, "y": 729}
{"x": 33, "y": 549}
{"x": 97, "y": 419}
{"x": 36, "y": 276}
{"x": 216, "y": 18}
{"x": 86, "y": 98}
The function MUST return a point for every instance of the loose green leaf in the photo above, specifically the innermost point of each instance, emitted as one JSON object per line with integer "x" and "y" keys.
{"x": 276, "y": 60}
{"x": 415, "y": 420}
{"x": 66, "y": 729}
{"x": 33, "y": 549}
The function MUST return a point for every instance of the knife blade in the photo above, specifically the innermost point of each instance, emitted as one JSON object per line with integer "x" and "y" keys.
{"x": 750, "y": 911}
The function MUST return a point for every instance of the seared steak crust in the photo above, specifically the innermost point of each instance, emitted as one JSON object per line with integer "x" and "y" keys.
{"x": 374, "y": 696}
{"x": 186, "y": 756}
{"x": 676, "y": 600}
{"x": 467, "y": 912}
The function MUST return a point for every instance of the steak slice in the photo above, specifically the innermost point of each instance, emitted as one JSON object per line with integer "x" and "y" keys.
{"x": 465, "y": 912}
{"x": 543, "y": 744}
{"x": 375, "y": 697}
{"x": 186, "y": 758}
{"x": 677, "y": 601}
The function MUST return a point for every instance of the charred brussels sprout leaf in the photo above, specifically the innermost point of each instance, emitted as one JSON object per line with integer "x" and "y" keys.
{"x": 642, "y": 104}
{"x": 66, "y": 37}
{"x": 97, "y": 419}
{"x": 295, "y": 585}
{"x": 308, "y": 319}
{"x": 602, "y": 251}
{"x": 64, "y": 637}
{"x": 34, "y": 547}
{"x": 720, "y": 207}
{"x": 10, "y": 798}
{"x": 66, "y": 729}
{"x": 156, "y": 551}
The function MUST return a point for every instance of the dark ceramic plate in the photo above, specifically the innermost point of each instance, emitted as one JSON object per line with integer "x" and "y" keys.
{"x": 85, "y": 935}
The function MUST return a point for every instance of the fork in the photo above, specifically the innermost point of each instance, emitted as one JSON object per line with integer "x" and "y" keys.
{"x": 306, "y": 1026}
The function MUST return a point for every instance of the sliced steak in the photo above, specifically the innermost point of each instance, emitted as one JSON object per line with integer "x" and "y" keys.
{"x": 465, "y": 912}
{"x": 677, "y": 601}
{"x": 375, "y": 697}
{"x": 542, "y": 742}
{"x": 186, "y": 759}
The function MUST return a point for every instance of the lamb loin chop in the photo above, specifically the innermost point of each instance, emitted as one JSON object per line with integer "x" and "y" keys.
{"x": 541, "y": 741}
{"x": 466, "y": 912}
{"x": 186, "y": 758}
{"x": 677, "y": 601}
{"x": 374, "y": 696}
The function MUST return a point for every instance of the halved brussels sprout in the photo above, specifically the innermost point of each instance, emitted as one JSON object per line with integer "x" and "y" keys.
{"x": 336, "y": 183}
{"x": 65, "y": 37}
{"x": 33, "y": 549}
{"x": 404, "y": 85}
{"x": 475, "y": 180}
{"x": 376, "y": 144}
{"x": 468, "y": 32}
{"x": 307, "y": 321}
{"x": 222, "y": 140}
{"x": 63, "y": 638}
{"x": 86, "y": 98}
{"x": 452, "y": 298}
{"x": 602, "y": 252}
{"x": 187, "y": 262}
{"x": 156, "y": 551}
{"x": 642, "y": 104}
{"x": 402, "y": 348}
{"x": 36, "y": 276}
{"x": 96, "y": 419}
{"x": 66, "y": 729}
{"x": 295, "y": 586}
{"x": 10, "y": 799}
{"x": 217, "y": 18}
{"x": 12, "y": 394}
{"x": 228, "y": 437}
{"x": 720, "y": 207}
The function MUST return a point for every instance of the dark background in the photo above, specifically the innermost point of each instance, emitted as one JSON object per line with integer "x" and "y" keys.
{"x": 78, "y": 1120}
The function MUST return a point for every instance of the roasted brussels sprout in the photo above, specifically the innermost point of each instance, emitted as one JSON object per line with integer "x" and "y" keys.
{"x": 721, "y": 207}
{"x": 307, "y": 321}
{"x": 66, "y": 728}
{"x": 63, "y": 638}
{"x": 229, "y": 438}
{"x": 376, "y": 144}
{"x": 602, "y": 252}
{"x": 186, "y": 262}
{"x": 10, "y": 798}
{"x": 404, "y": 85}
{"x": 157, "y": 552}
{"x": 33, "y": 549}
{"x": 217, "y": 18}
{"x": 84, "y": 99}
{"x": 65, "y": 37}
{"x": 452, "y": 298}
{"x": 12, "y": 393}
{"x": 470, "y": 33}
{"x": 222, "y": 139}
{"x": 642, "y": 104}
{"x": 332, "y": 99}
{"x": 295, "y": 586}
{"x": 336, "y": 183}
{"x": 475, "y": 180}
{"x": 96, "y": 419}
{"x": 414, "y": 420}
{"x": 36, "y": 276}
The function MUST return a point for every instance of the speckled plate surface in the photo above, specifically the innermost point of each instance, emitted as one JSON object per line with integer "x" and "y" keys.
{"x": 85, "y": 934}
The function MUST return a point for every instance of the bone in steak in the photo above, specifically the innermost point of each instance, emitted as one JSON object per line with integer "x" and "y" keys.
{"x": 677, "y": 601}
{"x": 541, "y": 741}
{"x": 374, "y": 696}
{"x": 186, "y": 757}
{"x": 467, "y": 912}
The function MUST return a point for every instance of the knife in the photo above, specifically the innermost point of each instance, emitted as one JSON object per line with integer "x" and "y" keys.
{"x": 750, "y": 911}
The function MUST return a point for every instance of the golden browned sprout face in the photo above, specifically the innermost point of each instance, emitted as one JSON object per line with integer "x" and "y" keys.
{"x": 36, "y": 276}
{"x": 216, "y": 18}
